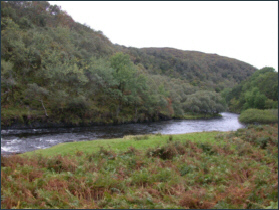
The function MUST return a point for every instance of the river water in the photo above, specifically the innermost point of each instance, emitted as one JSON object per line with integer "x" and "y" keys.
{"x": 24, "y": 140}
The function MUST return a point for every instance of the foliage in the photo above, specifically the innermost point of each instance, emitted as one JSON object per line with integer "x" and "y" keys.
{"x": 273, "y": 205}
{"x": 259, "y": 116}
{"x": 205, "y": 102}
{"x": 207, "y": 71}
{"x": 199, "y": 171}
{"x": 260, "y": 91}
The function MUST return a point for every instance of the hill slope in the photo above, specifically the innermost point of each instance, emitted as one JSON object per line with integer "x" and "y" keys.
{"x": 55, "y": 70}
{"x": 200, "y": 69}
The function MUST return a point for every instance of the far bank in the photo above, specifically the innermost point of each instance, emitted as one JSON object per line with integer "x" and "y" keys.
{"x": 26, "y": 119}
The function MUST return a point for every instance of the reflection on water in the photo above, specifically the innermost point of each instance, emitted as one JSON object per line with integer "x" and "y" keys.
{"x": 16, "y": 140}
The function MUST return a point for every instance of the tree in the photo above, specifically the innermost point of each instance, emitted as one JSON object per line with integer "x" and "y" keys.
{"x": 35, "y": 92}
{"x": 205, "y": 102}
{"x": 124, "y": 74}
{"x": 259, "y": 91}
{"x": 8, "y": 81}
{"x": 254, "y": 99}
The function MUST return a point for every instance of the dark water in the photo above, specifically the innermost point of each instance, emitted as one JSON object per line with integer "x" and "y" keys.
{"x": 19, "y": 141}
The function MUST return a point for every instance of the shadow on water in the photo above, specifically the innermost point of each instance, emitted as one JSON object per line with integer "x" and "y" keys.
{"x": 20, "y": 141}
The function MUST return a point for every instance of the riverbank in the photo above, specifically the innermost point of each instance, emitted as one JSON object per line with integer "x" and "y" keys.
{"x": 190, "y": 116}
{"x": 196, "y": 170}
{"x": 25, "y": 119}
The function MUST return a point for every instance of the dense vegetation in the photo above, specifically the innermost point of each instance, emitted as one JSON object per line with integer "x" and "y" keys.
{"x": 207, "y": 71}
{"x": 55, "y": 70}
{"x": 219, "y": 170}
{"x": 251, "y": 116}
{"x": 260, "y": 91}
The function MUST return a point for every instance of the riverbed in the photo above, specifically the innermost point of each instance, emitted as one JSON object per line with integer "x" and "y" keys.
{"x": 24, "y": 140}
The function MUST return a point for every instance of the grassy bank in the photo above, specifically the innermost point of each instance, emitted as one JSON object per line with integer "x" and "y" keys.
{"x": 266, "y": 116}
{"x": 198, "y": 170}
{"x": 197, "y": 116}
{"x": 140, "y": 142}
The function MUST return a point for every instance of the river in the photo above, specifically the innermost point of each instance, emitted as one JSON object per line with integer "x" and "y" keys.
{"x": 24, "y": 140}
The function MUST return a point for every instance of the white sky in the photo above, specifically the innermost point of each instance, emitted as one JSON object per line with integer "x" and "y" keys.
{"x": 245, "y": 30}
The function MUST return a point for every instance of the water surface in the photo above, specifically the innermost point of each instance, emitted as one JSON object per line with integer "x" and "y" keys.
{"x": 24, "y": 140}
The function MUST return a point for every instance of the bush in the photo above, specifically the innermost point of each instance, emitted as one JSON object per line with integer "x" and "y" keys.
{"x": 169, "y": 151}
{"x": 251, "y": 116}
{"x": 206, "y": 148}
{"x": 262, "y": 141}
{"x": 170, "y": 138}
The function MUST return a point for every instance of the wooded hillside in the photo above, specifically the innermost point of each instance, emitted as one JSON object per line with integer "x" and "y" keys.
{"x": 56, "y": 70}
{"x": 208, "y": 71}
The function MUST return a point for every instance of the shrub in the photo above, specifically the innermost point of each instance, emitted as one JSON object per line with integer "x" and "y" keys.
{"x": 141, "y": 178}
{"x": 163, "y": 175}
{"x": 131, "y": 150}
{"x": 262, "y": 141}
{"x": 243, "y": 148}
{"x": 107, "y": 153}
{"x": 170, "y": 138}
{"x": 60, "y": 164}
{"x": 168, "y": 151}
{"x": 206, "y": 148}
{"x": 251, "y": 116}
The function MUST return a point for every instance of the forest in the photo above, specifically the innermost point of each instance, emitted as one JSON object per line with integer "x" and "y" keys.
{"x": 55, "y": 70}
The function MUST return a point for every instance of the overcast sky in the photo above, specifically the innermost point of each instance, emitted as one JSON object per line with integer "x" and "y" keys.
{"x": 247, "y": 31}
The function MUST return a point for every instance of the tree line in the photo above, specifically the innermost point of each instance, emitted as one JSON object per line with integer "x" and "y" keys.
{"x": 260, "y": 91}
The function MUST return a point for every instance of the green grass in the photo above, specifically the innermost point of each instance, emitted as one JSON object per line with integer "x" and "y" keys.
{"x": 207, "y": 170}
{"x": 266, "y": 116}
{"x": 197, "y": 116}
{"x": 122, "y": 144}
